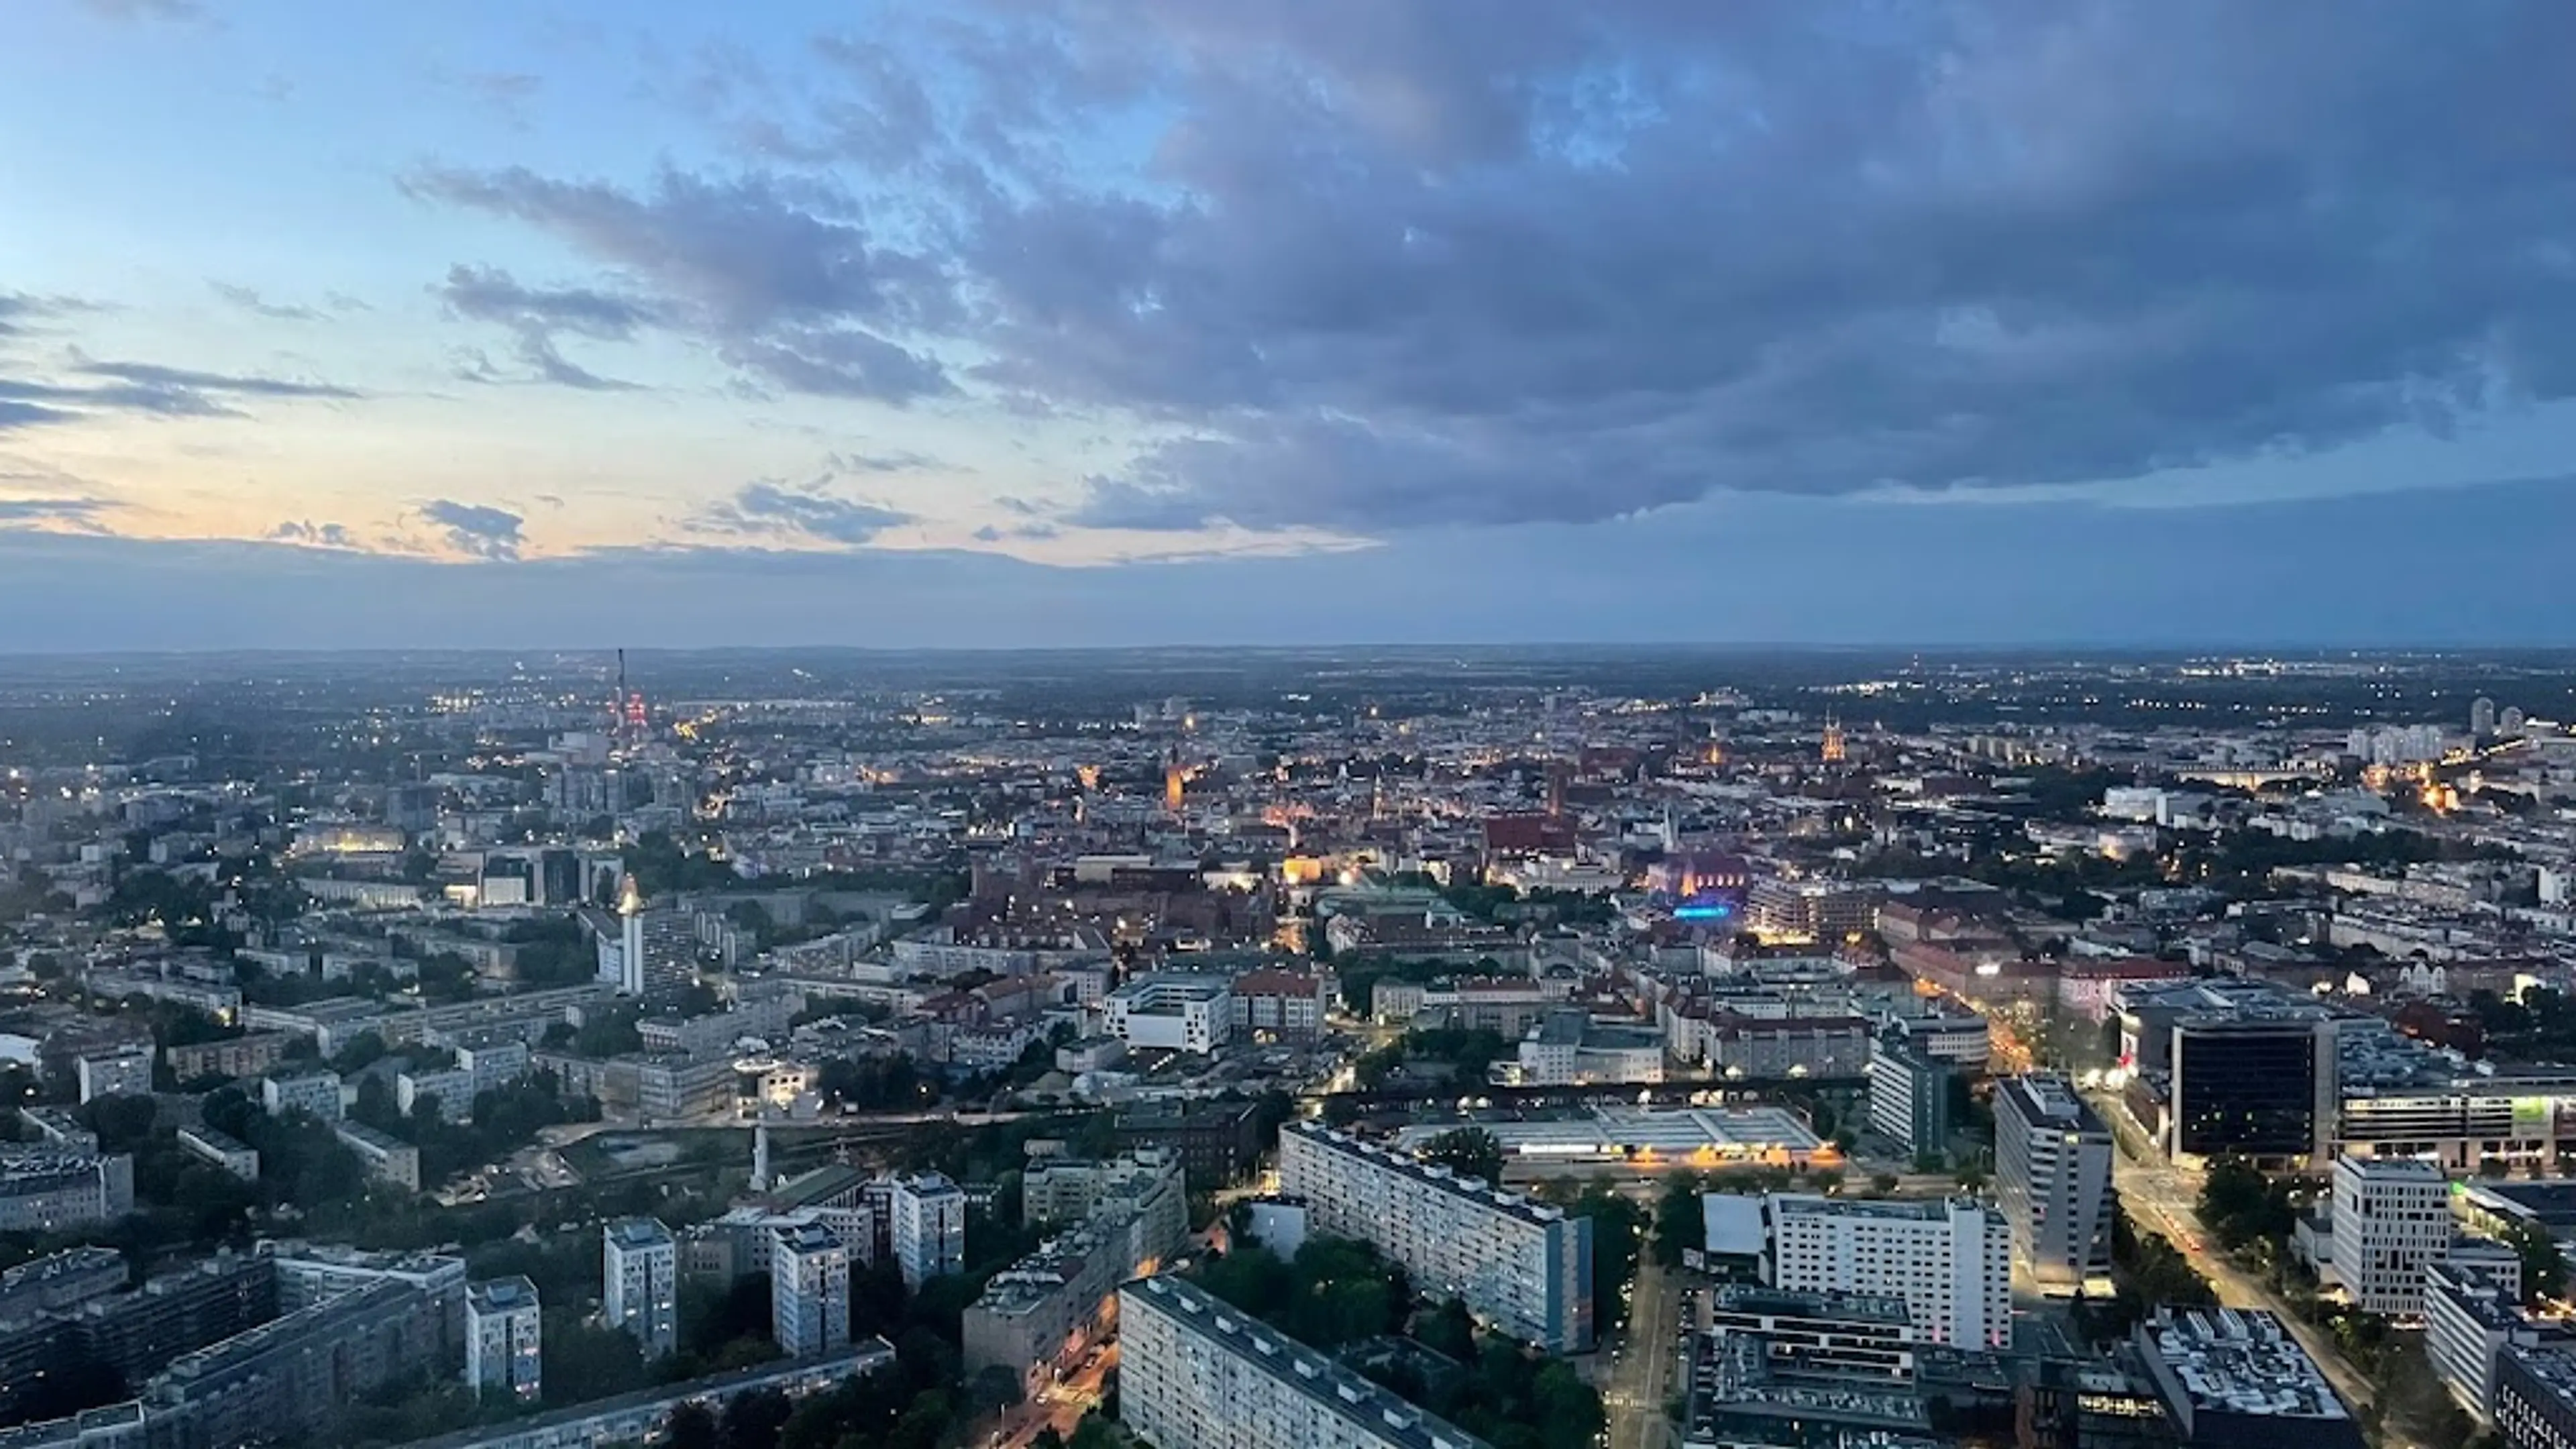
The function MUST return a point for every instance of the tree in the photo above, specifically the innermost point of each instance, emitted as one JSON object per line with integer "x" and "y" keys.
{"x": 2544, "y": 1268}
{"x": 1467, "y": 1151}
{"x": 1680, "y": 1222}
{"x": 994, "y": 1388}
{"x": 691, "y": 1426}
{"x": 754, "y": 1421}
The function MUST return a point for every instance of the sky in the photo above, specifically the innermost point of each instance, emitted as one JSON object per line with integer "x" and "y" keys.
{"x": 505, "y": 323}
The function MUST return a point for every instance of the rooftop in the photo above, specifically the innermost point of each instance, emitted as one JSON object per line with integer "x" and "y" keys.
{"x": 1289, "y": 1362}
{"x": 630, "y": 1234}
{"x": 1414, "y": 1167}
{"x": 2045, "y": 1097}
{"x": 501, "y": 1295}
{"x": 1786, "y": 1302}
{"x": 2240, "y": 1361}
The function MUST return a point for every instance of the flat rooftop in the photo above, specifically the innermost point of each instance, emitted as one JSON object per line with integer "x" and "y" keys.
{"x": 2238, "y": 1361}
{"x": 1311, "y": 1374}
{"x": 1614, "y": 1131}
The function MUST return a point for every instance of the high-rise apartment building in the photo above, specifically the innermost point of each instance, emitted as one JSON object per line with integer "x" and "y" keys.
{"x": 1523, "y": 1266}
{"x": 640, "y": 1282}
{"x": 1194, "y": 1373}
{"x": 1950, "y": 1261}
{"x": 2391, "y": 1217}
{"x": 2053, "y": 1174}
{"x": 809, "y": 1290}
{"x": 1909, "y": 1094}
{"x": 503, "y": 1354}
{"x": 928, "y": 1216}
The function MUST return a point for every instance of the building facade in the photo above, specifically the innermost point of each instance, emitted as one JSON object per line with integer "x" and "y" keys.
{"x": 640, "y": 1283}
{"x": 1951, "y": 1262}
{"x": 2053, "y": 1177}
{"x": 1196, "y": 1374}
{"x": 927, "y": 1214}
{"x": 809, "y": 1290}
{"x": 503, "y": 1348}
{"x": 2392, "y": 1216}
{"x": 1523, "y": 1266}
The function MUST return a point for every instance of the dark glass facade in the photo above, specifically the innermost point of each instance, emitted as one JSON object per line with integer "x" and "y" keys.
{"x": 2246, "y": 1089}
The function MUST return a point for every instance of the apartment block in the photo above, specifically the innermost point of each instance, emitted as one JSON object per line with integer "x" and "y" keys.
{"x": 1194, "y": 1373}
{"x": 1522, "y": 1265}
{"x": 640, "y": 1282}
{"x": 1950, "y": 1261}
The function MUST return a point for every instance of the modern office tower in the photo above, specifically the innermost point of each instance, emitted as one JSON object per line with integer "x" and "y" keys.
{"x": 928, "y": 1214}
{"x": 640, "y": 1282}
{"x": 2256, "y": 1087}
{"x": 1909, "y": 1094}
{"x": 1950, "y": 1261}
{"x": 2235, "y": 1377}
{"x": 502, "y": 1338}
{"x": 2391, "y": 1217}
{"x": 2053, "y": 1174}
{"x": 1194, "y": 1373}
{"x": 809, "y": 1290}
{"x": 1522, "y": 1266}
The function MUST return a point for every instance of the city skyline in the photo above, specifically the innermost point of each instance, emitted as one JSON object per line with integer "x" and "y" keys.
{"x": 1150, "y": 323}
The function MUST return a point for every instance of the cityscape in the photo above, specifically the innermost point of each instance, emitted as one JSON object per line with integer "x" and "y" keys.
{"x": 1654, "y": 1049}
{"x": 1287, "y": 724}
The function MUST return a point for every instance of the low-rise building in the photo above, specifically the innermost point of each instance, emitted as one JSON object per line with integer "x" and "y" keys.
{"x": 230, "y": 1154}
{"x": 2236, "y": 1379}
{"x": 387, "y": 1159}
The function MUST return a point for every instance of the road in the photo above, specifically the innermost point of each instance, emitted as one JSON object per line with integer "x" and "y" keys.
{"x": 2164, "y": 1199}
{"x": 1641, "y": 1377}
{"x": 1057, "y": 1406}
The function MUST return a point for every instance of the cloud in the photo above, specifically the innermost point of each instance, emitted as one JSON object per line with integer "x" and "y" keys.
{"x": 249, "y": 300}
{"x": 780, "y": 276}
{"x": 18, "y": 310}
{"x": 476, "y": 529}
{"x": 765, "y": 506}
{"x": 1364, "y": 267}
{"x": 535, "y": 315}
{"x": 901, "y": 460}
{"x": 315, "y": 535}
{"x": 146, "y": 388}
{"x": 154, "y": 377}
{"x": 79, "y": 514}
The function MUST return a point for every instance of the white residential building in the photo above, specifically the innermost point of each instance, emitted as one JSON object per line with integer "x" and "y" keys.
{"x": 1171, "y": 1011}
{"x": 1523, "y": 1266}
{"x": 809, "y": 1290}
{"x": 928, "y": 1227}
{"x": 2053, "y": 1175}
{"x": 2472, "y": 1313}
{"x": 1194, "y": 1373}
{"x": 1950, "y": 1261}
{"x": 2391, "y": 1217}
{"x": 640, "y": 1282}
{"x": 503, "y": 1352}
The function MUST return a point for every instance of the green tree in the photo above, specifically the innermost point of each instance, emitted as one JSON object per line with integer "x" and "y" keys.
{"x": 2544, "y": 1268}
{"x": 1467, "y": 1151}
{"x": 1680, "y": 1222}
